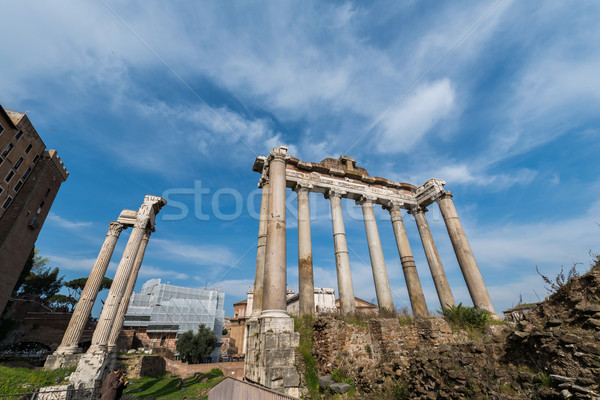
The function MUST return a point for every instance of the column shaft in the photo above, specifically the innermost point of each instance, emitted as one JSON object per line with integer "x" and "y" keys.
{"x": 259, "y": 275}
{"x": 464, "y": 255}
{"x": 275, "y": 280}
{"x": 118, "y": 324}
{"x": 81, "y": 314}
{"x": 380, "y": 276}
{"x": 305, "y": 264}
{"x": 433, "y": 259}
{"x": 145, "y": 218}
{"x": 342, "y": 261}
{"x": 413, "y": 284}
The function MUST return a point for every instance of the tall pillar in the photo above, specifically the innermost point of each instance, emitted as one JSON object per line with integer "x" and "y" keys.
{"x": 259, "y": 275}
{"x": 305, "y": 264}
{"x": 81, "y": 314}
{"x": 93, "y": 365}
{"x": 433, "y": 258}
{"x": 413, "y": 284}
{"x": 342, "y": 261}
{"x": 118, "y": 324}
{"x": 464, "y": 254}
{"x": 145, "y": 217}
{"x": 380, "y": 276}
{"x": 275, "y": 278}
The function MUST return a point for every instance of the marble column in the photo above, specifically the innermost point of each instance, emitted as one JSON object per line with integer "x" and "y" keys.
{"x": 433, "y": 258}
{"x": 413, "y": 284}
{"x": 380, "y": 276}
{"x": 305, "y": 264}
{"x": 342, "y": 261}
{"x": 118, "y": 324}
{"x": 464, "y": 254}
{"x": 145, "y": 218}
{"x": 275, "y": 279}
{"x": 259, "y": 275}
{"x": 81, "y": 314}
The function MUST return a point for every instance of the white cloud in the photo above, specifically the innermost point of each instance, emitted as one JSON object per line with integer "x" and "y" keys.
{"x": 463, "y": 173}
{"x": 154, "y": 272}
{"x": 234, "y": 287}
{"x": 209, "y": 255}
{"x": 65, "y": 223}
{"x": 415, "y": 116}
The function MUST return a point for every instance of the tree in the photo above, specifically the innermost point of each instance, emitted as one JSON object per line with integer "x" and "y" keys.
{"x": 34, "y": 261}
{"x": 60, "y": 300}
{"x": 75, "y": 286}
{"x": 193, "y": 348}
{"x": 41, "y": 281}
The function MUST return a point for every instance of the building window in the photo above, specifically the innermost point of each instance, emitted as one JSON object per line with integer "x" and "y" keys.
{"x": 1, "y": 129}
{"x": 18, "y": 135}
{"x": 9, "y": 176}
{"x": 1, "y": 190}
{"x": 28, "y": 149}
{"x": 7, "y": 202}
{"x": 26, "y": 173}
{"x": 1, "y": 161}
{"x": 7, "y": 149}
{"x": 18, "y": 163}
{"x": 18, "y": 186}
{"x": 36, "y": 159}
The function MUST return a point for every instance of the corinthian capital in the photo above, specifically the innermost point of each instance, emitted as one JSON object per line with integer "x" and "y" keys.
{"x": 115, "y": 228}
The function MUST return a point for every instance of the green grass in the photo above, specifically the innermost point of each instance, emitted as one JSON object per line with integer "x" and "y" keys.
{"x": 23, "y": 380}
{"x": 303, "y": 326}
{"x": 171, "y": 388}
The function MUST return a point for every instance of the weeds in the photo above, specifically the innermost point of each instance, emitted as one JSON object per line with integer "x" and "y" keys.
{"x": 468, "y": 318}
{"x": 560, "y": 284}
{"x": 302, "y": 325}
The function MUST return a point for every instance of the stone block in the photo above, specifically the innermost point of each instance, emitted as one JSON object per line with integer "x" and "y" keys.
{"x": 64, "y": 361}
{"x": 279, "y": 357}
{"x": 325, "y": 381}
{"x": 271, "y": 340}
{"x": 340, "y": 388}
{"x": 291, "y": 377}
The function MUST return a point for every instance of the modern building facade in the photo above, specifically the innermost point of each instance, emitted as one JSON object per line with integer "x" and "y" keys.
{"x": 30, "y": 178}
{"x": 161, "y": 312}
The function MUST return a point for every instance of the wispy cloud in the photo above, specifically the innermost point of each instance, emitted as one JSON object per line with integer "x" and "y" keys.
{"x": 65, "y": 223}
{"x": 209, "y": 255}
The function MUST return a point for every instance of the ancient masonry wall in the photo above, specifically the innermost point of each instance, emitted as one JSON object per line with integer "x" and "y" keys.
{"x": 270, "y": 355}
{"x": 363, "y": 350}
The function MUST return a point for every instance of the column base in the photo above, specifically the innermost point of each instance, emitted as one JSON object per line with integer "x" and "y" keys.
{"x": 91, "y": 371}
{"x": 270, "y": 352}
{"x": 62, "y": 361}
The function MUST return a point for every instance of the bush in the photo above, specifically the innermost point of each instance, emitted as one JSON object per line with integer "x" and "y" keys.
{"x": 463, "y": 317}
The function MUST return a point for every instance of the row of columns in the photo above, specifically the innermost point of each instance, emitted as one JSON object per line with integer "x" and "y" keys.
{"x": 113, "y": 313}
{"x": 270, "y": 281}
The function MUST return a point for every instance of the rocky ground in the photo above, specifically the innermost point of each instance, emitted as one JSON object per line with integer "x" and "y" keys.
{"x": 553, "y": 353}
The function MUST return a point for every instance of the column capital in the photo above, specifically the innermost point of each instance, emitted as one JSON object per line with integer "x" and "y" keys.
{"x": 301, "y": 186}
{"x": 366, "y": 199}
{"x": 417, "y": 209}
{"x": 334, "y": 192}
{"x": 115, "y": 228}
{"x": 279, "y": 154}
{"x": 393, "y": 206}
{"x": 445, "y": 194}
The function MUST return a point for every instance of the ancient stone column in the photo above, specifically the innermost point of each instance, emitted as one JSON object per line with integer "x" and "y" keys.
{"x": 81, "y": 314}
{"x": 145, "y": 218}
{"x": 380, "y": 276}
{"x": 118, "y": 324}
{"x": 275, "y": 278}
{"x": 305, "y": 264}
{"x": 259, "y": 275}
{"x": 464, "y": 254}
{"x": 342, "y": 261}
{"x": 413, "y": 284}
{"x": 433, "y": 258}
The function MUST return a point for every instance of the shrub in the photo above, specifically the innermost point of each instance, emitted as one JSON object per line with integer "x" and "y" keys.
{"x": 464, "y": 317}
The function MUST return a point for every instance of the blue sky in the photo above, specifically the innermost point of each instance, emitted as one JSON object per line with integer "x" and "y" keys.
{"x": 500, "y": 99}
